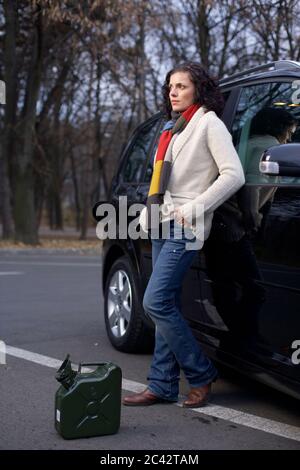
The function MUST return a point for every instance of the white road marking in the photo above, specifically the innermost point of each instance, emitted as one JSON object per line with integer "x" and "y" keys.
{"x": 10, "y": 273}
{"x": 251, "y": 421}
{"x": 238, "y": 417}
{"x": 49, "y": 263}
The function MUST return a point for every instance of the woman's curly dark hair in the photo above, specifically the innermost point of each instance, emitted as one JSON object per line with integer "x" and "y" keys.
{"x": 208, "y": 92}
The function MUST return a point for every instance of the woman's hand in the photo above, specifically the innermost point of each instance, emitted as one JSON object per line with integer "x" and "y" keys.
{"x": 180, "y": 219}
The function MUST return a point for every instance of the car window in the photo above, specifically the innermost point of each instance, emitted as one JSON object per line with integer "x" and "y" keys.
{"x": 266, "y": 116}
{"x": 137, "y": 153}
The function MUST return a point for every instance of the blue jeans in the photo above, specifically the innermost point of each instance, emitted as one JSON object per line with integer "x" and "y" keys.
{"x": 175, "y": 344}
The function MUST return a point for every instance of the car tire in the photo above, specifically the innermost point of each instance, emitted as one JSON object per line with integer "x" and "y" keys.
{"x": 123, "y": 310}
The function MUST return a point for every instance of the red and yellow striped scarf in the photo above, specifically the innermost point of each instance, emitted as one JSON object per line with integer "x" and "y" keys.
{"x": 163, "y": 160}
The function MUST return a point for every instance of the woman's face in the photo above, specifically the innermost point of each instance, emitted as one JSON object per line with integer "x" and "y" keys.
{"x": 181, "y": 91}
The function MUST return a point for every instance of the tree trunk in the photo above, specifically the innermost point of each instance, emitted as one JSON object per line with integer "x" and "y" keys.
{"x": 141, "y": 63}
{"x": 76, "y": 190}
{"x": 86, "y": 196}
{"x": 24, "y": 210}
{"x": 6, "y": 212}
{"x": 87, "y": 168}
{"x": 10, "y": 77}
{"x": 203, "y": 33}
{"x": 57, "y": 168}
{"x": 58, "y": 211}
{"x": 39, "y": 202}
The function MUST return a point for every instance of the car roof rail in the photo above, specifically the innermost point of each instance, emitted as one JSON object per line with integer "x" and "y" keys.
{"x": 275, "y": 65}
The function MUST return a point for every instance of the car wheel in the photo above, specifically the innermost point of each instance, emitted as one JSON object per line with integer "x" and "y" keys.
{"x": 123, "y": 310}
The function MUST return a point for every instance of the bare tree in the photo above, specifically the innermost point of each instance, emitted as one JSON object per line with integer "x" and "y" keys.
{"x": 10, "y": 79}
{"x": 81, "y": 75}
{"x": 24, "y": 210}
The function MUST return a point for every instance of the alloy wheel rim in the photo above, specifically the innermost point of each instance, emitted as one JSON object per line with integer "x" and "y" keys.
{"x": 119, "y": 303}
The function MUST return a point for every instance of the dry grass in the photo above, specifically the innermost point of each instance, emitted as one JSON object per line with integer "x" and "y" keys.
{"x": 50, "y": 243}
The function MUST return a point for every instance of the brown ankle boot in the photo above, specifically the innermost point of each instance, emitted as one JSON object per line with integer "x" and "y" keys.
{"x": 144, "y": 398}
{"x": 198, "y": 396}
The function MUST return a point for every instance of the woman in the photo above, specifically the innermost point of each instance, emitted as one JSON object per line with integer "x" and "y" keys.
{"x": 197, "y": 166}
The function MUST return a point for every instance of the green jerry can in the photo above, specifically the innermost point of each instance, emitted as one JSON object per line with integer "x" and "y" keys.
{"x": 88, "y": 404}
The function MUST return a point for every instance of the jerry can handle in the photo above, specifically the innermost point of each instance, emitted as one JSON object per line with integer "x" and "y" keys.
{"x": 84, "y": 364}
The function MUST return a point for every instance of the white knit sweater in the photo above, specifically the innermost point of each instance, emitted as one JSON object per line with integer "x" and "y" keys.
{"x": 206, "y": 170}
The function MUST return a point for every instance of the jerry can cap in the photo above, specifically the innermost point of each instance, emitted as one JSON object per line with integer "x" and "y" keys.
{"x": 65, "y": 374}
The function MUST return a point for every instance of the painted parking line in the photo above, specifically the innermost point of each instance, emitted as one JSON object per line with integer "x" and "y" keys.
{"x": 238, "y": 417}
{"x": 10, "y": 273}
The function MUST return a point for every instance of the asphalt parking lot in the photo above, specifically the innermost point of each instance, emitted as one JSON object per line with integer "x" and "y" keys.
{"x": 51, "y": 305}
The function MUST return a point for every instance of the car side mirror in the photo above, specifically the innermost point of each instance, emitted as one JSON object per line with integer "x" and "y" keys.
{"x": 281, "y": 160}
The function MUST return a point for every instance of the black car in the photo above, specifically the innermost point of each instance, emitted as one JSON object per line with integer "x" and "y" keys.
{"x": 241, "y": 296}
